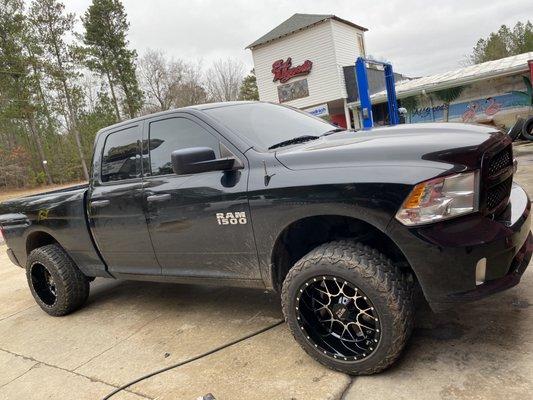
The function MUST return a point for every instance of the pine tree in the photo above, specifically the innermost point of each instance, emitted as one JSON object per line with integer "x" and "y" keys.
{"x": 504, "y": 43}
{"x": 17, "y": 83}
{"x": 248, "y": 89}
{"x": 52, "y": 25}
{"x": 106, "y": 29}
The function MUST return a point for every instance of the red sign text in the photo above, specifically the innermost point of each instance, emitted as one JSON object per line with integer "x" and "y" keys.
{"x": 283, "y": 70}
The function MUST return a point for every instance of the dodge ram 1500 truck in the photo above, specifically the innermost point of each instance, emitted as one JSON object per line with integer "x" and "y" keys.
{"x": 345, "y": 225}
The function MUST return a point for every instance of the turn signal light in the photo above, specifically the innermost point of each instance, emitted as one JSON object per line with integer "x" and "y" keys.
{"x": 440, "y": 198}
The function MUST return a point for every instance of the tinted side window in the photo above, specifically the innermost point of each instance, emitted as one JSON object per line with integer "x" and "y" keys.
{"x": 121, "y": 155}
{"x": 174, "y": 134}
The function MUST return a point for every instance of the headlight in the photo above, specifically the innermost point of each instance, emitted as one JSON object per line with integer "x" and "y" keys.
{"x": 440, "y": 198}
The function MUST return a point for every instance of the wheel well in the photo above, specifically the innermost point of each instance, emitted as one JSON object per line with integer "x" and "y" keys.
{"x": 38, "y": 239}
{"x": 302, "y": 236}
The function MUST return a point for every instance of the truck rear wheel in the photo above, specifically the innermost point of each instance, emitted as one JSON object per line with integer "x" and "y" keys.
{"x": 56, "y": 283}
{"x": 349, "y": 307}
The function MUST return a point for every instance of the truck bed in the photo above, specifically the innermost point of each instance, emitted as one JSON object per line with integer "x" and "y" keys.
{"x": 19, "y": 194}
{"x": 57, "y": 215}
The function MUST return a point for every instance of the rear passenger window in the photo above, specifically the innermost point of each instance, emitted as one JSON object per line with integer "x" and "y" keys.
{"x": 174, "y": 134}
{"x": 121, "y": 155}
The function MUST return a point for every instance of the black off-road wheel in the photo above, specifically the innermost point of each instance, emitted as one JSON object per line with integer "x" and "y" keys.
{"x": 349, "y": 307}
{"x": 56, "y": 283}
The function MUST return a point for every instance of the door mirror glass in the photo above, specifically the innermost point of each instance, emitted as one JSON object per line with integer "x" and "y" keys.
{"x": 194, "y": 160}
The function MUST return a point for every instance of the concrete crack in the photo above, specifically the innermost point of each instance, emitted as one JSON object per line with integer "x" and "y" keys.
{"x": 347, "y": 389}
{"x": 21, "y": 375}
{"x": 117, "y": 343}
{"x": 18, "y": 312}
{"x": 37, "y": 362}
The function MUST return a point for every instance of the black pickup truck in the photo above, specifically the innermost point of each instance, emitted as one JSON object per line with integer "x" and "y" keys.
{"x": 346, "y": 225}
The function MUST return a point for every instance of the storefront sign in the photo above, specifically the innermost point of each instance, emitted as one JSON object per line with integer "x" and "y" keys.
{"x": 284, "y": 71}
{"x": 319, "y": 111}
{"x": 292, "y": 91}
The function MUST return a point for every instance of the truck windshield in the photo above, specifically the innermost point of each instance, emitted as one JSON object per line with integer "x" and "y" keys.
{"x": 267, "y": 125}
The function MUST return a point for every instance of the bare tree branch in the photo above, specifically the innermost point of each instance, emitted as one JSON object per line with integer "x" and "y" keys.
{"x": 223, "y": 80}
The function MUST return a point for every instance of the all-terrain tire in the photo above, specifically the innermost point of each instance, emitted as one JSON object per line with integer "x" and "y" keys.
{"x": 390, "y": 291}
{"x": 516, "y": 129}
{"x": 70, "y": 285}
{"x": 527, "y": 129}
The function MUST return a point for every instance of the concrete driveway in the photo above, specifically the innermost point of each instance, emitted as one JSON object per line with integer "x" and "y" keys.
{"x": 477, "y": 351}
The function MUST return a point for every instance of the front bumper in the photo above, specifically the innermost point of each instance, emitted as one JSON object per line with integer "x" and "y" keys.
{"x": 444, "y": 255}
{"x": 517, "y": 269}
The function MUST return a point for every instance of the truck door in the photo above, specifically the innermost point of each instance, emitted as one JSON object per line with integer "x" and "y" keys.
{"x": 199, "y": 223}
{"x": 115, "y": 204}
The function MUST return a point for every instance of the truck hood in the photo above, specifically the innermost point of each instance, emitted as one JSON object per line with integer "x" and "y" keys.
{"x": 450, "y": 143}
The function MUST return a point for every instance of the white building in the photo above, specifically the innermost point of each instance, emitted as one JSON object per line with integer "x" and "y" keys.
{"x": 300, "y": 63}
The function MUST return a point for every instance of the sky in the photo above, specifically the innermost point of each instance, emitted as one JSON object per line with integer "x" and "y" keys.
{"x": 420, "y": 37}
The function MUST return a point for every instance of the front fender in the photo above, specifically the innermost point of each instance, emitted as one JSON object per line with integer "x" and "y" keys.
{"x": 274, "y": 211}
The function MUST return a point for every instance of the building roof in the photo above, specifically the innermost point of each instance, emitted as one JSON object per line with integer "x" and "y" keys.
{"x": 296, "y": 23}
{"x": 462, "y": 76}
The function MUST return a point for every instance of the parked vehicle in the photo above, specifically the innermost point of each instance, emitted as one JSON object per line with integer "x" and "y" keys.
{"x": 345, "y": 225}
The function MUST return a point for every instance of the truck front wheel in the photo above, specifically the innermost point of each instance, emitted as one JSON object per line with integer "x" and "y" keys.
{"x": 56, "y": 283}
{"x": 349, "y": 307}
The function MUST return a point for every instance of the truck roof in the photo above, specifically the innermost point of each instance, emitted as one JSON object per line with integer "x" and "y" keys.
{"x": 200, "y": 107}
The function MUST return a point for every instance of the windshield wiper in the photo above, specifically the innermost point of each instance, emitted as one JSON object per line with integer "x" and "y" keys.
{"x": 331, "y": 132}
{"x": 299, "y": 139}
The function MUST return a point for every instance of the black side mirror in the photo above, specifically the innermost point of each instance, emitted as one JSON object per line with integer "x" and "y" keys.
{"x": 194, "y": 160}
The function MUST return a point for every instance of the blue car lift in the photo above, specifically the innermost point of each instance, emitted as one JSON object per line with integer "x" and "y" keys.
{"x": 364, "y": 95}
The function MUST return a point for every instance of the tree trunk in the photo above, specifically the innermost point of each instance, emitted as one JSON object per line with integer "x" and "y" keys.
{"x": 75, "y": 129}
{"x": 127, "y": 93}
{"x": 80, "y": 151}
{"x": 40, "y": 89}
{"x": 50, "y": 124}
{"x": 71, "y": 111}
{"x": 115, "y": 102}
{"x": 38, "y": 143}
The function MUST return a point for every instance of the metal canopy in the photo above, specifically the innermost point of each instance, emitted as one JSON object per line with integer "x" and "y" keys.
{"x": 461, "y": 76}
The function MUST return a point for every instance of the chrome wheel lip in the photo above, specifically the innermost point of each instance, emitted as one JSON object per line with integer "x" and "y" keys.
{"x": 323, "y": 347}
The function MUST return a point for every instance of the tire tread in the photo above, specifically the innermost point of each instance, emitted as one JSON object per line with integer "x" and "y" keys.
{"x": 381, "y": 274}
{"x": 75, "y": 284}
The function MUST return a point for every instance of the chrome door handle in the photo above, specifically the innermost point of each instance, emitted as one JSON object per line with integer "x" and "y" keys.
{"x": 99, "y": 203}
{"x": 158, "y": 197}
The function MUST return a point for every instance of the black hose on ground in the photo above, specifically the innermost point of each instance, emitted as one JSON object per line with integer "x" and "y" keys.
{"x": 149, "y": 375}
